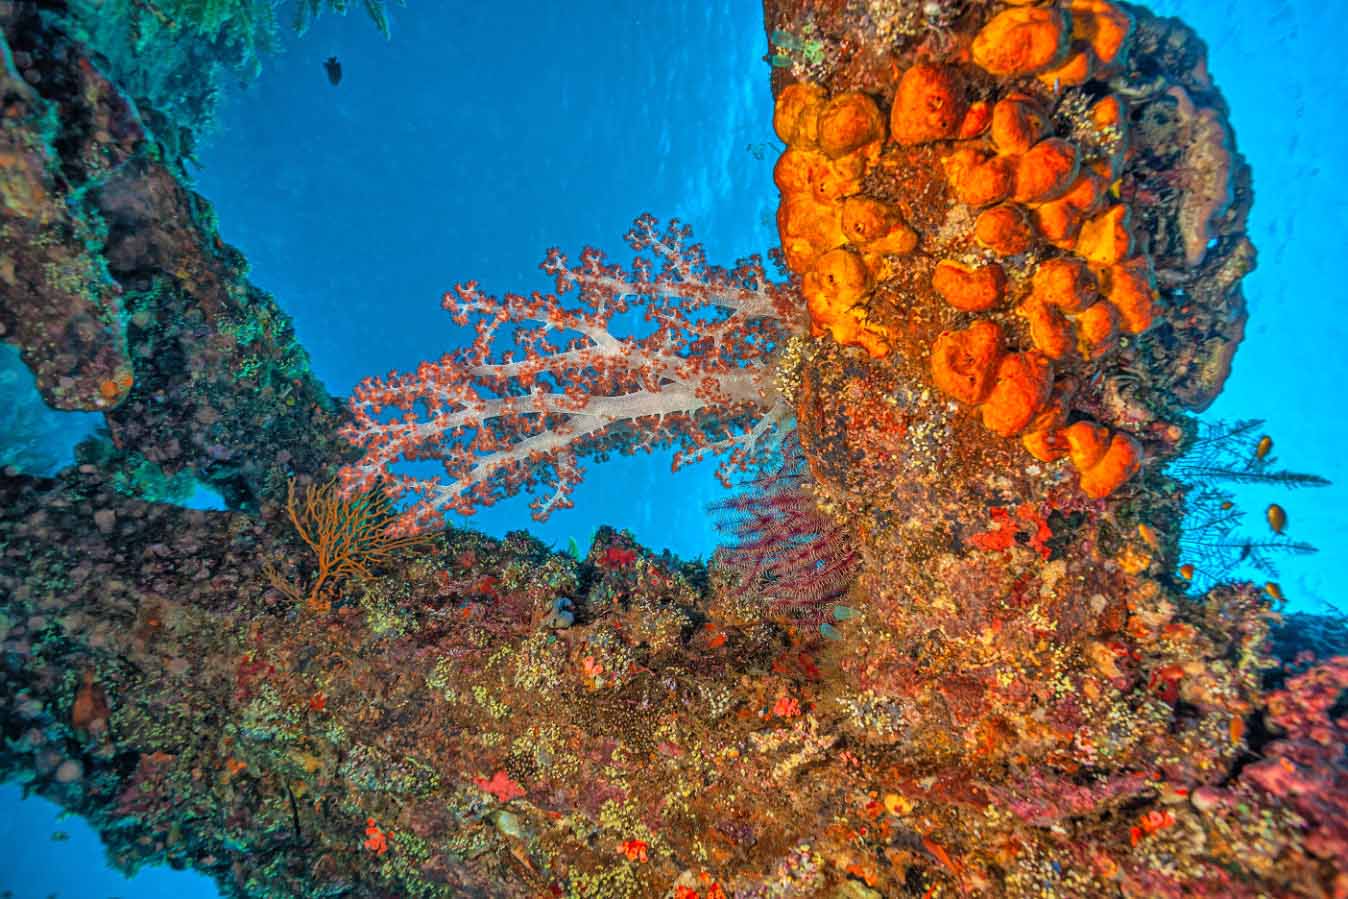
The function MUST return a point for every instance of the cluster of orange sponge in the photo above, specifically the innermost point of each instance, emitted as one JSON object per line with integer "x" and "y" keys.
{"x": 833, "y": 237}
{"x": 1033, "y": 194}
{"x": 1035, "y": 191}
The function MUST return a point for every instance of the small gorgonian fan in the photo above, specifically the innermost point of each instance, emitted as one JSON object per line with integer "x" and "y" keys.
{"x": 786, "y": 553}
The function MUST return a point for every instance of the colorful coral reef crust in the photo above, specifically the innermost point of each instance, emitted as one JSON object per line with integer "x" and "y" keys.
{"x": 954, "y": 649}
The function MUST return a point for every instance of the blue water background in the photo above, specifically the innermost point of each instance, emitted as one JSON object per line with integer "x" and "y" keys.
{"x": 484, "y": 133}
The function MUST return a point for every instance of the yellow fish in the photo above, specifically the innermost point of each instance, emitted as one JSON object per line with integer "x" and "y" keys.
{"x": 1274, "y": 592}
{"x": 1262, "y": 448}
{"x": 1148, "y": 534}
{"x": 1277, "y": 517}
{"x": 1187, "y": 572}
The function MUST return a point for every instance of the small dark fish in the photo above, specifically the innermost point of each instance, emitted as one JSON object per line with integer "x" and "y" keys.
{"x": 334, "y": 70}
{"x": 60, "y": 836}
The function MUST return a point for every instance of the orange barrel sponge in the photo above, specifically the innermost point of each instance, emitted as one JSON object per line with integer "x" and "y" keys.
{"x": 1075, "y": 71}
{"x": 1064, "y": 282}
{"x": 1120, "y": 462}
{"x": 963, "y": 362}
{"x": 1103, "y": 460}
{"x": 848, "y": 122}
{"x": 1004, "y": 229}
{"x": 876, "y": 227}
{"x": 1107, "y": 238}
{"x": 1048, "y": 445}
{"x": 1060, "y": 220}
{"x": 1018, "y": 122}
{"x": 808, "y": 171}
{"x": 928, "y": 106}
{"x": 979, "y": 178}
{"x": 1097, "y": 329}
{"x": 795, "y": 117}
{"x": 1049, "y": 329}
{"x": 1022, "y": 41}
{"x": 1110, "y": 122}
{"x": 1046, "y": 171}
{"x": 1132, "y": 293}
{"x": 834, "y": 291}
{"x": 969, "y": 288}
{"x": 865, "y": 219}
{"x": 808, "y": 228}
{"x": 1019, "y": 391}
{"x": 1104, "y": 26}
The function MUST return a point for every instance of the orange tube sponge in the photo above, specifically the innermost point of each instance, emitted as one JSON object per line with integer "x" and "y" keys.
{"x": 928, "y": 106}
{"x": 1022, "y": 41}
{"x": 1120, "y": 461}
{"x": 1132, "y": 293}
{"x": 963, "y": 362}
{"x": 1004, "y": 229}
{"x": 847, "y": 122}
{"x": 969, "y": 288}
{"x": 1019, "y": 392}
{"x": 795, "y": 116}
{"x": 979, "y": 179}
{"x": 1064, "y": 282}
{"x": 1046, "y": 171}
